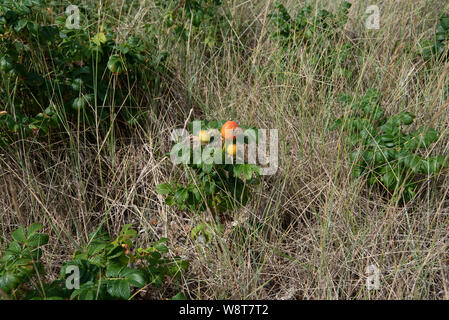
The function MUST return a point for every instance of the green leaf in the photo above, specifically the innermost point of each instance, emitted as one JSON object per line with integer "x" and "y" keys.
{"x": 336, "y": 124}
{"x": 37, "y": 240}
{"x": 354, "y": 156}
{"x": 20, "y": 25}
{"x": 79, "y": 103}
{"x": 444, "y": 21}
{"x": 8, "y": 282}
{"x": 127, "y": 232}
{"x": 115, "y": 252}
{"x": 379, "y": 157}
{"x": 99, "y": 38}
{"x": 432, "y": 165}
{"x": 179, "y": 296}
{"x": 406, "y": 117}
{"x": 14, "y": 248}
{"x": 134, "y": 277}
{"x": 113, "y": 269}
{"x": 357, "y": 171}
{"x": 368, "y": 156}
{"x": 96, "y": 247}
{"x": 87, "y": 291}
{"x": 430, "y": 137}
{"x": 248, "y": 172}
{"x": 19, "y": 235}
{"x": 162, "y": 240}
{"x": 169, "y": 201}
{"x": 409, "y": 193}
{"x": 389, "y": 178}
{"x": 413, "y": 162}
{"x": 119, "y": 289}
{"x": 210, "y": 187}
{"x": 237, "y": 170}
{"x": 116, "y": 64}
{"x": 207, "y": 168}
{"x": 161, "y": 248}
{"x": 178, "y": 267}
{"x": 164, "y": 188}
{"x": 36, "y": 254}
{"x": 181, "y": 195}
{"x": 197, "y": 230}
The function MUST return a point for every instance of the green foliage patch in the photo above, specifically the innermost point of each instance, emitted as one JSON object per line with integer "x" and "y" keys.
{"x": 306, "y": 24}
{"x": 108, "y": 269}
{"x": 52, "y": 73}
{"x": 195, "y": 18}
{"x": 383, "y": 151}
{"x": 219, "y": 187}
{"x": 438, "y": 46}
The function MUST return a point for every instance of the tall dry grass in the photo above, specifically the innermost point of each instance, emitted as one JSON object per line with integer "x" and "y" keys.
{"x": 311, "y": 230}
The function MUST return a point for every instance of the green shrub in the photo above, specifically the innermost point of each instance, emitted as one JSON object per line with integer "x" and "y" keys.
{"x": 320, "y": 35}
{"x": 51, "y": 74}
{"x": 307, "y": 25}
{"x": 438, "y": 47}
{"x": 108, "y": 269}
{"x": 194, "y": 18}
{"x": 21, "y": 261}
{"x": 383, "y": 152}
{"x": 219, "y": 187}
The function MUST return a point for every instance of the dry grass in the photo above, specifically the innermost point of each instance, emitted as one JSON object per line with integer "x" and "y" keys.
{"x": 311, "y": 230}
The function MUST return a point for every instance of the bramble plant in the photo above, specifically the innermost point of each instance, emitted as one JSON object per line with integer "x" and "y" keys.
{"x": 322, "y": 29}
{"x": 202, "y": 17}
{"x": 21, "y": 262}
{"x": 438, "y": 47}
{"x": 383, "y": 152}
{"x": 108, "y": 269}
{"x": 307, "y": 24}
{"x": 218, "y": 187}
{"x": 83, "y": 72}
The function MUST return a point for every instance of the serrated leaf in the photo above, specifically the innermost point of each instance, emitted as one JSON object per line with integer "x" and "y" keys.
{"x": 37, "y": 240}
{"x": 119, "y": 289}
{"x": 164, "y": 188}
{"x": 181, "y": 195}
{"x": 113, "y": 269}
{"x": 134, "y": 277}
{"x": 32, "y": 229}
{"x": 161, "y": 248}
{"x": 19, "y": 235}
{"x": 127, "y": 232}
{"x": 14, "y": 249}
